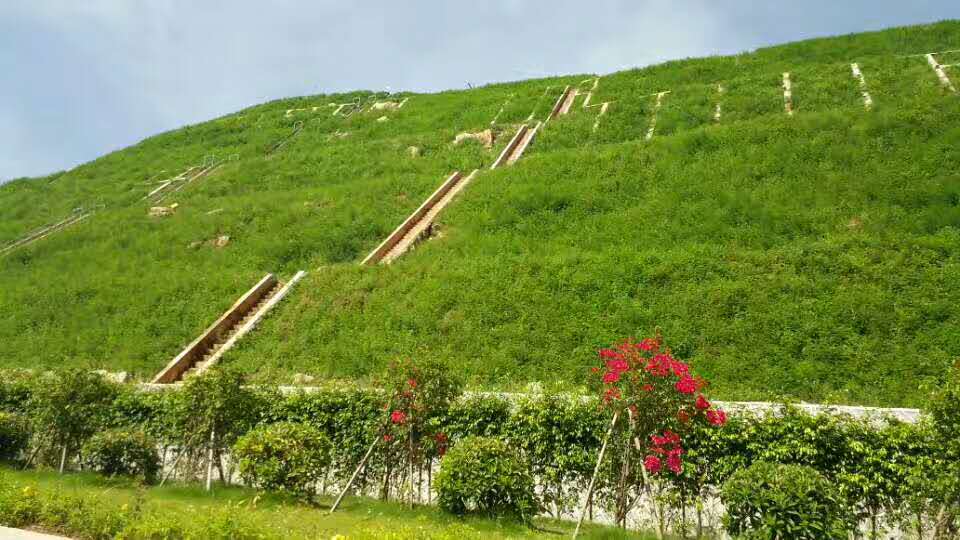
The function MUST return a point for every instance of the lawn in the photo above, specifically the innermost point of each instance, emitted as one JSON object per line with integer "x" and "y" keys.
{"x": 183, "y": 510}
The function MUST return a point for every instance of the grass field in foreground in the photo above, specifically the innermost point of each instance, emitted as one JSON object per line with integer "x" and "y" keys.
{"x": 239, "y": 512}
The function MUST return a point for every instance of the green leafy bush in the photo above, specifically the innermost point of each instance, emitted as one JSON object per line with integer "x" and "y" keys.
{"x": 283, "y": 456}
{"x": 14, "y": 435}
{"x": 68, "y": 407}
{"x": 123, "y": 452}
{"x": 485, "y": 475}
{"x": 768, "y": 500}
{"x": 15, "y": 390}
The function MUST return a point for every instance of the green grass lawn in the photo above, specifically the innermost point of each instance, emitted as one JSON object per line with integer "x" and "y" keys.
{"x": 813, "y": 256}
{"x": 241, "y": 513}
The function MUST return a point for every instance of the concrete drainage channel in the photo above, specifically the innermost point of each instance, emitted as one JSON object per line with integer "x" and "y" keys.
{"x": 218, "y": 338}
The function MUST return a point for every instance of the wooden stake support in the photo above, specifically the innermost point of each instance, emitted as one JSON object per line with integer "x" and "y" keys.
{"x": 356, "y": 472}
{"x": 596, "y": 471}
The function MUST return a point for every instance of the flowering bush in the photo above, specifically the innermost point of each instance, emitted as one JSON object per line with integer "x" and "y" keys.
{"x": 420, "y": 394}
{"x": 655, "y": 399}
{"x": 658, "y": 394}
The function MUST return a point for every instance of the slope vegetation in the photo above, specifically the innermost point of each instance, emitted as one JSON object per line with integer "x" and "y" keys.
{"x": 811, "y": 255}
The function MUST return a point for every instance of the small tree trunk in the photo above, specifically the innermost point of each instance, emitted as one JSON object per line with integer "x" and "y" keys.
{"x": 225, "y": 478}
{"x": 621, "y": 507}
{"x": 63, "y": 458}
{"x": 699, "y": 520}
{"x": 410, "y": 464}
{"x": 210, "y": 462}
{"x": 657, "y": 508}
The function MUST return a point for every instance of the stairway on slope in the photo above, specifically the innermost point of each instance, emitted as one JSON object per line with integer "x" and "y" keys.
{"x": 216, "y": 349}
{"x": 220, "y": 337}
{"x": 419, "y": 222}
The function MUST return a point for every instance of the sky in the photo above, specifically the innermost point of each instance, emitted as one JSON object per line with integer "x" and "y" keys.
{"x": 81, "y": 78}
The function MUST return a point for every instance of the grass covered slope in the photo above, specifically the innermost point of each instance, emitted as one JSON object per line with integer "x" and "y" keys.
{"x": 811, "y": 256}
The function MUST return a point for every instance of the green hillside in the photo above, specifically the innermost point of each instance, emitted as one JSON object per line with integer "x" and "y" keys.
{"x": 813, "y": 256}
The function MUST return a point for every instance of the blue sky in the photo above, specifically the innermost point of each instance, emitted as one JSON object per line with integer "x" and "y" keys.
{"x": 85, "y": 77}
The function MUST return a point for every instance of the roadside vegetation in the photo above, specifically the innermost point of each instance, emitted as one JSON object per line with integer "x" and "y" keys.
{"x": 649, "y": 451}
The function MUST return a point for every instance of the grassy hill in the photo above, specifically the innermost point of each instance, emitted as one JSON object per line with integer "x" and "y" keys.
{"x": 813, "y": 256}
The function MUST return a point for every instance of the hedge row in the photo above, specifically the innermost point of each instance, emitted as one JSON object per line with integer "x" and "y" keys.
{"x": 887, "y": 473}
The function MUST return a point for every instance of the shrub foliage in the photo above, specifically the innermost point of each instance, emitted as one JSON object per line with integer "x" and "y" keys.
{"x": 485, "y": 475}
{"x": 123, "y": 452}
{"x": 770, "y": 500}
{"x": 286, "y": 456}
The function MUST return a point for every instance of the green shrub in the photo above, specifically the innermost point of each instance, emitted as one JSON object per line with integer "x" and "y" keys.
{"x": 123, "y": 452}
{"x": 14, "y": 435}
{"x": 485, "y": 475}
{"x": 67, "y": 407}
{"x": 284, "y": 456}
{"x": 768, "y": 500}
{"x": 15, "y": 390}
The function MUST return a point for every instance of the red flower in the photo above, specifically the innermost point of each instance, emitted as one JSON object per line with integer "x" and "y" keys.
{"x": 648, "y": 388}
{"x": 702, "y": 403}
{"x": 686, "y": 385}
{"x": 659, "y": 365}
{"x": 412, "y": 383}
{"x": 672, "y": 437}
{"x": 611, "y": 377}
{"x": 611, "y": 394}
{"x": 648, "y": 345}
{"x": 609, "y": 353}
{"x": 668, "y": 438}
{"x": 618, "y": 366}
{"x": 387, "y": 438}
{"x": 652, "y": 464}
{"x": 674, "y": 463}
{"x": 716, "y": 417}
{"x": 679, "y": 368}
{"x": 594, "y": 370}
{"x": 398, "y": 417}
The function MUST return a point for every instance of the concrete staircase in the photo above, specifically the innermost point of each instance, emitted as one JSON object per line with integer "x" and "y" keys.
{"x": 205, "y": 351}
{"x": 420, "y": 221}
